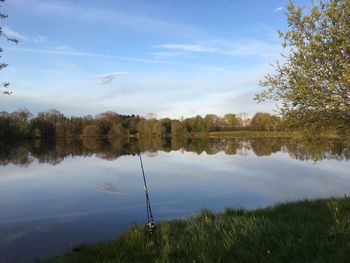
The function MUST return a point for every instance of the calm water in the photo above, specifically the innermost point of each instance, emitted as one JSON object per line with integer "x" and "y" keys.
{"x": 55, "y": 195}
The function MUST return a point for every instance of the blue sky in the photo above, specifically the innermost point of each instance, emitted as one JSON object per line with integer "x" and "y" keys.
{"x": 171, "y": 57}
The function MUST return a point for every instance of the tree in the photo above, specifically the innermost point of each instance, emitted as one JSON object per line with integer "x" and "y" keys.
{"x": 5, "y": 85}
{"x": 22, "y": 114}
{"x": 92, "y": 130}
{"x": 177, "y": 128}
{"x": 42, "y": 127}
{"x": 166, "y": 124}
{"x": 263, "y": 122}
{"x": 313, "y": 81}
{"x": 242, "y": 118}
{"x": 118, "y": 131}
{"x": 150, "y": 127}
{"x": 198, "y": 125}
{"x": 212, "y": 122}
{"x": 230, "y": 122}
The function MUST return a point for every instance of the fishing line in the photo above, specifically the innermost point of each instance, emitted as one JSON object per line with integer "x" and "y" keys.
{"x": 150, "y": 219}
{"x": 151, "y": 227}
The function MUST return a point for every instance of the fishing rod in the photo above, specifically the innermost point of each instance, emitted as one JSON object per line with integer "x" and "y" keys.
{"x": 151, "y": 227}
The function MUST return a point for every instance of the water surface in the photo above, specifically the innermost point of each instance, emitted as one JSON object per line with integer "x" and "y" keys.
{"x": 54, "y": 195}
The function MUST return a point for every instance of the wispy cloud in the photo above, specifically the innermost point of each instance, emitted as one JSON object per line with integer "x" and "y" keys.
{"x": 108, "y": 77}
{"x": 189, "y": 47}
{"x": 21, "y": 37}
{"x": 278, "y": 9}
{"x": 107, "y": 17}
{"x": 13, "y": 34}
{"x": 166, "y": 54}
{"x": 63, "y": 51}
{"x": 39, "y": 39}
{"x": 166, "y": 94}
{"x": 239, "y": 48}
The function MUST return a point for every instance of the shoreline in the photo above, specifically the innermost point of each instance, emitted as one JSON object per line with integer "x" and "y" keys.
{"x": 301, "y": 231}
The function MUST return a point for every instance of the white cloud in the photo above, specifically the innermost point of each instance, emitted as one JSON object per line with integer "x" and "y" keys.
{"x": 108, "y": 77}
{"x": 278, "y": 9}
{"x": 238, "y": 48}
{"x": 189, "y": 47}
{"x": 165, "y": 54}
{"x": 66, "y": 51}
{"x": 170, "y": 94}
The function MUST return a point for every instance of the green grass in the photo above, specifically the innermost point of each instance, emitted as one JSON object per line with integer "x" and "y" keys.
{"x": 305, "y": 231}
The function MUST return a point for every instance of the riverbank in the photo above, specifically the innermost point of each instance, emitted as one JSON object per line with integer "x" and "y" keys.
{"x": 252, "y": 134}
{"x": 305, "y": 231}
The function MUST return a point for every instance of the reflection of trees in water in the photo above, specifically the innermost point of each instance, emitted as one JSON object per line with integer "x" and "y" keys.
{"x": 244, "y": 147}
{"x": 154, "y": 144}
{"x": 16, "y": 153}
{"x": 266, "y": 146}
{"x": 23, "y": 153}
{"x": 323, "y": 149}
{"x": 92, "y": 143}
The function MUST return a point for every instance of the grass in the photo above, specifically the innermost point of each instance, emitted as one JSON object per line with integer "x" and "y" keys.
{"x": 251, "y": 134}
{"x": 305, "y": 231}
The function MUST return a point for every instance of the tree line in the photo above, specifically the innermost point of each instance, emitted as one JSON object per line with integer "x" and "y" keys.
{"x": 23, "y": 153}
{"x": 54, "y": 124}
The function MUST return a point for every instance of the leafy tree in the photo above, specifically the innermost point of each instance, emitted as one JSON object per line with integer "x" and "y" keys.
{"x": 261, "y": 122}
{"x": 110, "y": 116}
{"x": 118, "y": 131}
{"x": 76, "y": 126}
{"x": 242, "y": 118}
{"x": 212, "y": 122}
{"x": 42, "y": 127}
{"x": 313, "y": 81}
{"x": 230, "y": 121}
{"x": 197, "y": 124}
{"x": 150, "y": 127}
{"x": 5, "y": 85}
{"x": 166, "y": 124}
{"x": 22, "y": 114}
{"x": 130, "y": 123}
{"x": 177, "y": 128}
{"x": 92, "y": 130}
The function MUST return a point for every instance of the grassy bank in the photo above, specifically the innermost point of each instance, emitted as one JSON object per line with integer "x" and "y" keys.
{"x": 251, "y": 134}
{"x": 306, "y": 231}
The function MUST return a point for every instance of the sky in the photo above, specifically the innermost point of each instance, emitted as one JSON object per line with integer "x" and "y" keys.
{"x": 170, "y": 57}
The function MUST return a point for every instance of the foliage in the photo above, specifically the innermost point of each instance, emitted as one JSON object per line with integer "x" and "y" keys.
{"x": 265, "y": 122}
{"x": 118, "y": 131}
{"x": 177, "y": 128}
{"x": 150, "y": 127}
{"x": 195, "y": 125}
{"x": 313, "y": 81}
{"x": 92, "y": 130}
{"x": 305, "y": 231}
{"x": 212, "y": 122}
{"x": 166, "y": 126}
{"x": 230, "y": 122}
{"x": 53, "y": 124}
{"x": 5, "y": 85}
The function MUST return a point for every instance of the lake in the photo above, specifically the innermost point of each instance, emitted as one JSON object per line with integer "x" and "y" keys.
{"x": 57, "y": 194}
